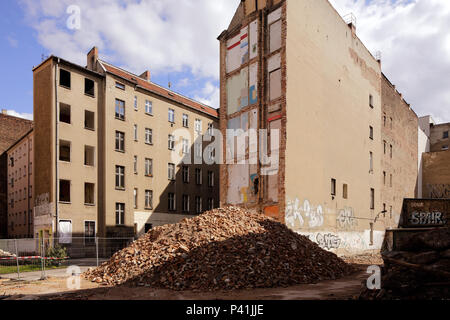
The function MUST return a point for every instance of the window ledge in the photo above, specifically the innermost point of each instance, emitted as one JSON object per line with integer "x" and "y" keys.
{"x": 120, "y": 189}
{"x": 90, "y": 204}
{"x": 120, "y": 119}
{"x": 89, "y": 95}
{"x": 90, "y": 129}
{"x": 120, "y": 151}
{"x": 64, "y": 202}
{"x": 65, "y": 87}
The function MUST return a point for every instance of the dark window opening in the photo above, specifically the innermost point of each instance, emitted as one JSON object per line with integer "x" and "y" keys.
{"x": 89, "y": 190}
{"x": 445, "y": 135}
{"x": 64, "y": 191}
{"x": 89, "y": 120}
{"x": 333, "y": 187}
{"x": 89, "y": 232}
{"x": 89, "y": 87}
{"x": 89, "y": 156}
{"x": 64, "y": 78}
{"x": 148, "y": 227}
{"x": 64, "y": 151}
{"x": 64, "y": 113}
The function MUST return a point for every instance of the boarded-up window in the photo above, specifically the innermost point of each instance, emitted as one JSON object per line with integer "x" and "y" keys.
{"x": 275, "y": 36}
{"x": 275, "y": 84}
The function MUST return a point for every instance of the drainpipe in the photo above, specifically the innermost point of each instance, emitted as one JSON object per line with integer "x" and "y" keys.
{"x": 56, "y": 151}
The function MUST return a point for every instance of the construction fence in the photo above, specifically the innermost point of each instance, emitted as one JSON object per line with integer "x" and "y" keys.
{"x": 41, "y": 255}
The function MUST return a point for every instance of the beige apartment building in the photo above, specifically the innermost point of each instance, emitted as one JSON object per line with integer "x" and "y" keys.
{"x": 20, "y": 188}
{"x": 297, "y": 67}
{"x": 106, "y": 144}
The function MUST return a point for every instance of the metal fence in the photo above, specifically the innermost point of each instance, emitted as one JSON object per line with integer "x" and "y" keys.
{"x": 41, "y": 255}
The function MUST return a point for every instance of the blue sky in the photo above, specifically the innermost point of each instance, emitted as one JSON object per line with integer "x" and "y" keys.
{"x": 176, "y": 40}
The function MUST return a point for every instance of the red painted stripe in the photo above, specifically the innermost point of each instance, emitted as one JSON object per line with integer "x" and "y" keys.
{"x": 237, "y": 43}
{"x": 274, "y": 118}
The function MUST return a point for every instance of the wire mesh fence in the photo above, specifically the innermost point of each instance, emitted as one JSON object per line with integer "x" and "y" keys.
{"x": 19, "y": 256}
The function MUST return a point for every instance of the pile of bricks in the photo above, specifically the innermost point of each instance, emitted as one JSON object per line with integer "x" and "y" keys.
{"x": 223, "y": 249}
{"x": 421, "y": 271}
{"x": 5, "y": 254}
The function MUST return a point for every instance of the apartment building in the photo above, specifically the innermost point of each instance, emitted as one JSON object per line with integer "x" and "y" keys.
{"x": 434, "y": 176}
{"x": 399, "y": 160}
{"x": 106, "y": 139}
{"x": 11, "y": 130}
{"x": 20, "y": 188}
{"x": 296, "y": 68}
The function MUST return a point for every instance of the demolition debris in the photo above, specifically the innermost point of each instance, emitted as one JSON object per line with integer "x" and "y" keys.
{"x": 223, "y": 249}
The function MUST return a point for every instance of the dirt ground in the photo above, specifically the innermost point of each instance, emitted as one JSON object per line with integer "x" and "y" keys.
{"x": 347, "y": 288}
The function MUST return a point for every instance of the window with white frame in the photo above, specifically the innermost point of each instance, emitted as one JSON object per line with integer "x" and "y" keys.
{"x": 185, "y": 121}
{"x": 198, "y": 205}
{"x": 135, "y": 198}
{"x": 172, "y": 202}
{"x": 120, "y": 141}
{"x": 210, "y": 129}
{"x": 120, "y": 109}
{"x": 198, "y": 176}
{"x": 120, "y": 177}
{"x": 148, "y": 167}
{"x": 210, "y": 179}
{"x": 171, "y": 115}
{"x": 149, "y": 199}
{"x": 185, "y": 174}
{"x": 185, "y": 146}
{"x": 198, "y": 125}
{"x": 120, "y": 214}
{"x": 136, "y": 134}
{"x": 135, "y": 165}
{"x": 89, "y": 232}
{"x": 171, "y": 142}
{"x": 148, "y": 136}
{"x": 185, "y": 203}
{"x": 171, "y": 171}
{"x": 135, "y": 102}
{"x": 148, "y": 107}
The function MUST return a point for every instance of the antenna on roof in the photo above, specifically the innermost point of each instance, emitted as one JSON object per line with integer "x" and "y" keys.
{"x": 170, "y": 84}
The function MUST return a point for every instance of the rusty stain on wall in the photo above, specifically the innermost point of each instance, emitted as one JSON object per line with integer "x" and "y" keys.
{"x": 367, "y": 72}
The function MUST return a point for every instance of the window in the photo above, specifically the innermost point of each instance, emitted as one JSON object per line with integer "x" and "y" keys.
{"x": 371, "y": 162}
{"x": 64, "y": 113}
{"x": 89, "y": 232}
{"x": 371, "y": 132}
{"x": 148, "y": 167}
{"x": 210, "y": 179}
{"x": 148, "y": 136}
{"x": 385, "y": 146}
{"x": 120, "y": 177}
{"x": 372, "y": 199}
{"x": 148, "y": 199}
{"x": 384, "y": 120}
{"x": 185, "y": 121}
{"x": 64, "y": 78}
{"x": 30, "y": 192}
{"x": 445, "y": 135}
{"x": 185, "y": 146}
{"x": 391, "y": 151}
{"x": 210, "y": 203}
{"x": 89, "y": 120}
{"x": 135, "y": 198}
{"x": 392, "y": 123}
{"x": 371, "y": 101}
{"x": 198, "y": 176}
{"x": 171, "y": 172}
{"x": 171, "y": 115}
{"x": 148, "y": 107}
{"x": 345, "y": 191}
{"x": 120, "y": 109}
{"x": 275, "y": 36}
{"x": 136, "y": 132}
{"x": 89, "y": 156}
{"x": 120, "y": 214}
{"x": 384, "y": 177}
{"x": 24, "y": 193}
{"x": 171, "y": 142}
{"x": 185, "y": 203}
{"x": 210, "y": 129}
{"x": 172, "y": 202}
{"x": 120, "y": 86}
{"x": 185, "y": 174}
{"x": 11, "y": 162}
{"x": 135, "y": 165}
{"x": 120, "y": 141}
{"x": 64, "y": 151}
{"x": 211, "y": 153}
{"x": 198, "y": 150}
{"x": 30, "y": 168}
{"x": 89, "y": 190}
{"x": 390, "y": 180}
{"x": 333, "y": 187}
{"x": 64, "y": 191}
{"x": 445, "y": 148}
{"x": 198, "y": 125}
{"x": 198, "y": 205}
{"x": 89, "y": 87}
{"x": 135, "y": 103}
{"x": 275, "y": 84}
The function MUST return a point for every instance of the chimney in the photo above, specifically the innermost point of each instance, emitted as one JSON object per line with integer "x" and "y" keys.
{"x": 92, "y": 58}
{"x": 145, "y": 76}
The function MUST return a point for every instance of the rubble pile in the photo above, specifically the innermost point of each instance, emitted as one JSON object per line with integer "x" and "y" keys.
{"x": 5, "y": 254}
{"x": 422, "y": 271}
{"x": 228, "y": 248}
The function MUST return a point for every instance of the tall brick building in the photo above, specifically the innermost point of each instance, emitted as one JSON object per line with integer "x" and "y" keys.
{"x": 11, "y": 129}
{"x": 297, "y": 68}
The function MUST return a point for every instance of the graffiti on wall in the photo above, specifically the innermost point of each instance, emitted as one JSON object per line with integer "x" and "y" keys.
{"x": 439, "y": 191}
{"x": 427, "y": 218}
{"x": 346, "y": 219}
{"x": 328, "y": 241}
{"x": 297, "y": 214}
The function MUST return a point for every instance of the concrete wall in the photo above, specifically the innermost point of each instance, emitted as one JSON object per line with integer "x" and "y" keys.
{"x": 436, "y": 175}
{"x": 330, "y": 76}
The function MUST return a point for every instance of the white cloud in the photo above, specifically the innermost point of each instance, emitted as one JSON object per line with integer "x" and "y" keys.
{"x": 162, "y": 36}
{"x": 414, "y": 39}
{"x": 13, "y": 113}
{"x": 209, "y": 95}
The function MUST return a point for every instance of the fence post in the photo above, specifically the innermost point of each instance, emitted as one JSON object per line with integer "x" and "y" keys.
{"x": 96, "y": 249}
{"x": 17, "y": 259}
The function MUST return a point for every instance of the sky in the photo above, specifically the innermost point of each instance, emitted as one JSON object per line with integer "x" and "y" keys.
{"x": 177, "y": 41}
